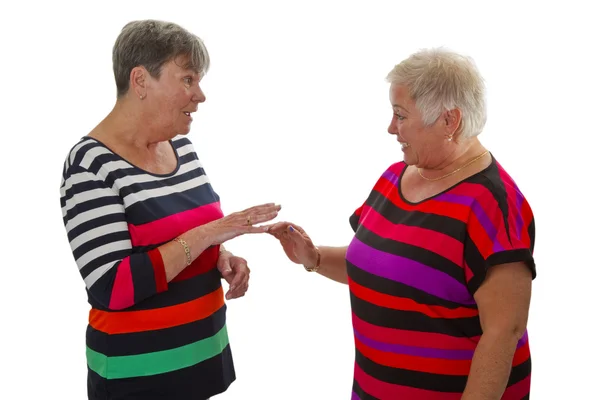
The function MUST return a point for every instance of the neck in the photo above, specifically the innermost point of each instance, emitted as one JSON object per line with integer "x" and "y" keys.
{"x": 127, "y": 123}
{"x": 460, "y": 155}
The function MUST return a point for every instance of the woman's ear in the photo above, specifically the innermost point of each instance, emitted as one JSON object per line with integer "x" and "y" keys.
{"x": 138, "y": 80}
{"x": 452, "y": 119}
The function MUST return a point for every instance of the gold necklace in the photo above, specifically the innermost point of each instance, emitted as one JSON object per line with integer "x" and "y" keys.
{"x": 455, "y": 171}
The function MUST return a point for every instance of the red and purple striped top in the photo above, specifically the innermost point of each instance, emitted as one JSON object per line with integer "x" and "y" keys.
{"x": 413, "y": 269}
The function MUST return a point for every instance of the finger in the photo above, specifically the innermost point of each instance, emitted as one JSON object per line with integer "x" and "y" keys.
{"x": 241, "y": 289}
{"x": 295, "y": 233}
{"x": 238, "y": 279}
{"x": 263, "y": 208}
{"x": 278, "y": 228}
{"x": 258, "y": 218}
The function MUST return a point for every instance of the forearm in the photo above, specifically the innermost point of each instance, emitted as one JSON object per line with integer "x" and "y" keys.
{"x": 491, "y": 366}
{"x": 173, "y": 253}
{"x": 333, "y": 263}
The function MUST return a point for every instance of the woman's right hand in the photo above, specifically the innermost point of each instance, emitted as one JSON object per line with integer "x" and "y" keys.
{"x": 241, "y": 222}
{"x": 296, "y": 243}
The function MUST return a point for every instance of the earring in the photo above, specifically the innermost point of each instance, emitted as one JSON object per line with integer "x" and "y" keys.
{"x": 449, "y": 138}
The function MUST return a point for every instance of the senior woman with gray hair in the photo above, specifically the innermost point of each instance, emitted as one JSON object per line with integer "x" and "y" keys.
{"x": 147, "y": 231}
{"x": 441, "y": 265}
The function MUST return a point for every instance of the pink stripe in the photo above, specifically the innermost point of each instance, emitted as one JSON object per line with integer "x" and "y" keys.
{"x": 433, "y": 241}
{"x": 518, "y": 391}
{"x": 383, "y": 390}
{"x": 165, "y": 229}
{"x": 413, "y": 338}
{"x": 122, "y": 293}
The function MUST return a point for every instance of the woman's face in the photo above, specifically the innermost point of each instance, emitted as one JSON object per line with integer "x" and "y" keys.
{"x": 173, "y": 97}
{"x": 423, "y": 146}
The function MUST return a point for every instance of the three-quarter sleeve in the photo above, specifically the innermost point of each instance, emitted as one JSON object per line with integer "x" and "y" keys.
{"x": 94, "y": 217}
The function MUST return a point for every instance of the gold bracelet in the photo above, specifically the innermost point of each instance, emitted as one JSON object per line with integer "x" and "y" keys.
{"x": 185, "y": 248}
{"x": 316, "y": 267}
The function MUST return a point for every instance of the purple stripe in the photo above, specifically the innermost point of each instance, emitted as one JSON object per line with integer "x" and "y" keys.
{"x": 445, "y": 354}
{"x": 482, "y": 217}
{"x": 520, "y": 221}
{"x": 390, "y": 176}
{"x": 355, "y": 396}
{"x": 408, "y": 272}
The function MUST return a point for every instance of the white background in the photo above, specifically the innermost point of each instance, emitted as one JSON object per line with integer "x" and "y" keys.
{"x": 297, "y": 113}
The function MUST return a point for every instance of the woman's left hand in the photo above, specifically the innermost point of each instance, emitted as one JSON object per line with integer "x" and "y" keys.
{"x": 236, "y": 272}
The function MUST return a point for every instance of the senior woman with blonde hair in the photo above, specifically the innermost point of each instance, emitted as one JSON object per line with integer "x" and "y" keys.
{"x": 146, "y": 229}
{"x": 441, "y": 265}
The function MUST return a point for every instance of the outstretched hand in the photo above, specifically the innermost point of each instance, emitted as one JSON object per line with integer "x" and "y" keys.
{"x": 295, "y": 242}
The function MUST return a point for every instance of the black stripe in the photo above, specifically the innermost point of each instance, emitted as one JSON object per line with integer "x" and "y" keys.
{"x": 177, "y": 293}
{"x": 155, "y": 184}
{"x": 180, "y": 142}
{"x": 81, "y": 153}
{"x": 414, "y": 321}
{"x": 94, "y": 223}
{"x": 127, "y": 344}
{"x": 100, "y": 241}
{"x": 388, "y": 286}
{"x": 448, "y": 226}
{"x": 113, "y": 256}
{"x": 152, "y": 209}
{"x": 90, "y": 205}
{"x": 142, "y": 276}
{"x": 411, "y": 252}
{"x": 414, "y": 379}
{"x": 82, "y": 187}
{"x": 519, "y": 372}
{"x": 361, "y": 393}
{"x": 201, "y": 381}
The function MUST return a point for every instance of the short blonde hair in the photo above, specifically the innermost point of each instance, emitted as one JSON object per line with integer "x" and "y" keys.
{"x": 440, "y": 80}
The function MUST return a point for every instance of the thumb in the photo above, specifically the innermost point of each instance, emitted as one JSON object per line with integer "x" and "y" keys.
{"x": 295, "y": 234}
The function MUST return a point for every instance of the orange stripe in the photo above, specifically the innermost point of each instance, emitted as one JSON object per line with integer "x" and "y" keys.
{"x": 414, "y": 363}
{"x": 404, "y": 304}
{"x": 160, "y": 318}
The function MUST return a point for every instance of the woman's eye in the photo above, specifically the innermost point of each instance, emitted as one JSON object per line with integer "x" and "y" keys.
{"x": 188, "y": 80}
{"x": 400, "y": 117}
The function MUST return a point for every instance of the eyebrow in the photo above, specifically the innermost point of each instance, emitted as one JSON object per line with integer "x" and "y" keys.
{"x": 399, "y": 106}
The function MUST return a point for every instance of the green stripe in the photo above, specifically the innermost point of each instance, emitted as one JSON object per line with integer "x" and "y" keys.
{"x": 158, "y": 362}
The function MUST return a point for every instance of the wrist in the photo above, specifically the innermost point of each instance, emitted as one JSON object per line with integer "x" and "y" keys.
{"x": 316, "y": 262}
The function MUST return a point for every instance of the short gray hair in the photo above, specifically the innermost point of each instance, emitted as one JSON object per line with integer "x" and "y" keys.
{"x": 440, "y": 80}
{"x": 151, "y": 44}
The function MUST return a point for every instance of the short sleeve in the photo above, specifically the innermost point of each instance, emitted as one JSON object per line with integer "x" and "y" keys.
{"x": 500, "y": 230}
{"x": 355, "y": 217}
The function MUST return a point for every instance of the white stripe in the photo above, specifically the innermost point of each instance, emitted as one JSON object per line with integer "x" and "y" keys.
{"x": 76, "y": 150}
{"x": 95, "y": 213}
{"x": 188, "y": 148}
{"x": 97, "y": 274}
{"x": 100, "y": 231}
{"x": 80, "y": 198}
{"x": 92, "y": 154}
{"x": 75, "y": 179}
{"x": 102, "y": 250}
{"x": 164, "y": 191}
{"x": 129, "y": 180}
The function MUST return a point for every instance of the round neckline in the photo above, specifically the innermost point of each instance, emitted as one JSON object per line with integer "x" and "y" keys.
{"x": 169, "y": 174}
{"x": 404, "y": 199}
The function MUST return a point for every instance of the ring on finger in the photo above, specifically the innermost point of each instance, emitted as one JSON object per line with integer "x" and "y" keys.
{"x": 248, "y": 221}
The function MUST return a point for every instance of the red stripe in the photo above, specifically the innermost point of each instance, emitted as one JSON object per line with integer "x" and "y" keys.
{"x": 388, "y": 391}
{"x": 519, "y": 390}
{"x": 521, "y": 355}
{"x": 414, "y": 363}
{"x": 165, "y": 229}
{"x": 404, "y": 304}
{"x": 122, "y": 292}
{"x": 433, "y": 241}
{"x": 479, "y": 237}
{"x": 451, "y": 210}
{"x": 413, "y": 338}
{"x": 160, "y": 275}
{"x": 206, "y": 261}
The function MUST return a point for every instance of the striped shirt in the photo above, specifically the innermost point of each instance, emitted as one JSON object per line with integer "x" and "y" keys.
{"x": 413, "y": 269}
{"x": 146, "y": 338}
